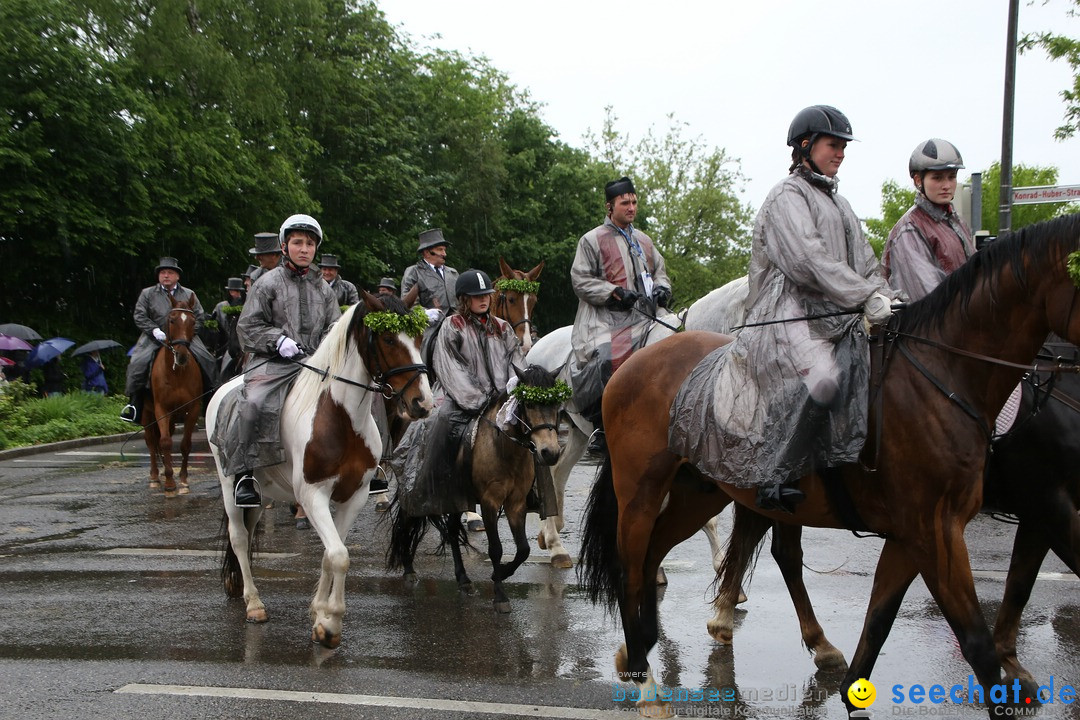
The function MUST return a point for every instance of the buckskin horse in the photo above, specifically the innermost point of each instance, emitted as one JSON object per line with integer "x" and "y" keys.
{"x": 946, "y": 366}
{"x": 501, "y": 462}
{"x": 176, "y": 388}
{"x": 331, "y": 444}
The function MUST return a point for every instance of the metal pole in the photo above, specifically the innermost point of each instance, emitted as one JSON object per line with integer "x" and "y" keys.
{"x": 1005, "y": 208}
{"x": 976, "y": 202}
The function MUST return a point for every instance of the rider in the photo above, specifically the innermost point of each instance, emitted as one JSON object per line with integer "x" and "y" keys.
{"x": 344, "y": 290}
{"x": 226, "y": 313}
{"x": 151, "y": 312}
{"x": 435, "y": 278}
{"x": 286, "y": 315}
{"x": 931, "y": 239}
{"x": 622, "y": 285}
{"x": 795, "y": 386}
{"x": 473, "y": 357}
{"x": 267, "y": 252}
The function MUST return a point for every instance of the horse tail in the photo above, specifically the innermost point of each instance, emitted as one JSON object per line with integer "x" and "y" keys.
{"x": 231, "y": 577}
{"x": 405, "y": 535}
{"x": 744, "y": 546}
{"x": 600, "y": 571}
{"x": 450, "y": 526}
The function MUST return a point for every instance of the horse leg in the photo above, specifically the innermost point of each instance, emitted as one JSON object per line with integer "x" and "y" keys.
{"x": 495, "y": 553}
{"x": 716, "y": 549}
{"x": 549, "y": 538}
{"x": 787, "y": 551}
{"x": 241, "y": 529}
{"x": 747, "y": 530}
{"x": 165, "y": 430}
{"x": 1029, "y": 549}
{"x": 454, "y": 532}
{"x": 150, "y": 435}
{"x": 328, "y": 602}
{"x": 185, "y": 448}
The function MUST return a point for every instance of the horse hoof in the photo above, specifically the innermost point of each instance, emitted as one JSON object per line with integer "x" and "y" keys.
{"x": 476, "y": 526}
{"x": 154, "y": 485}
{"x": 185, "y": 489}
{"x": 721, "y": 634}
{"x": 541, "y": 542}
{"x": 410, "y": 577}
{"x": 661, "y": 576}
{"x": 327, "y": 639}
{"x": 622, "y": 662}
{"x": 742, "y": 598}
{"x": 256, "y": 616}
{"x": 502, "y": 607}
{"x": 655, "y": 710}
{"x": 382, "y": 506}
{"x": 830, "y": 659}
{"x": 170, "y": 493}
{"x": 562, "y": 560}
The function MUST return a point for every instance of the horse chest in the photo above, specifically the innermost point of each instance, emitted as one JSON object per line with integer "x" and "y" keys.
{"x": 337, "y": 451}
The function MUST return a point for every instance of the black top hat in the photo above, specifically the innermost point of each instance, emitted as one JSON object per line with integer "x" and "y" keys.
{"x": 168, "y": 263}
{"x": 235, "y": 283}
{"x": 388, "y": 283}
{"x": 329, "y": 261}
{"x": 431, "y": 238}
{"x": 250, "y": 269}
{"x": 266, "y": 242}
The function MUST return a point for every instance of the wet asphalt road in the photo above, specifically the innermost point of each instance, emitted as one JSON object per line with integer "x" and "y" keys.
{"x": 111, "y": 606}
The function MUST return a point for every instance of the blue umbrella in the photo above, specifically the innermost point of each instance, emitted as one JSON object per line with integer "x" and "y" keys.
{"x": 48, "y": 350}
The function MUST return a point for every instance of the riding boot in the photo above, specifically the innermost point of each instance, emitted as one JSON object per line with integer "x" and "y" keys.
{"x": 779, "y": 497}
{"x": 598, "y": 443}
{"x": 132, "y": 412}
{"x": 246, "y": 491}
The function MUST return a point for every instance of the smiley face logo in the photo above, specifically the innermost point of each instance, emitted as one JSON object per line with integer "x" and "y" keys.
{"x": 862, "y": 693}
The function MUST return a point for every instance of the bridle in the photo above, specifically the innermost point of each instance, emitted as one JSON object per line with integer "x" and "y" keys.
{"x": 501, "y": 305}
{"x": 527, "y": 430}
{"x": 182, "y": 342}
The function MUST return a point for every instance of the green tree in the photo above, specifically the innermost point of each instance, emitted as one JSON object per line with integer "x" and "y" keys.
{"x": 1023, "y": 176}
{"x": 1062, "y": 47}
{"x": 895, "y": 201}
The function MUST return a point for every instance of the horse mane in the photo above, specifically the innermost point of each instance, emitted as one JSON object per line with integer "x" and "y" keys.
{"x": 1042, "y": 245}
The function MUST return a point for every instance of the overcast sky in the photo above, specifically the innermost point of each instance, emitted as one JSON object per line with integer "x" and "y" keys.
{"x": 902, "y": 71}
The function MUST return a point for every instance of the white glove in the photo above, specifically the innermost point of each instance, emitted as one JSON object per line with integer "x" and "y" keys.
{"x": 159, "y": 334}
{"x": 433, "y": 315}
{"x": 287, "y": 347}
{"x": 512, "y": 383}
{"x": 878, "y": 308}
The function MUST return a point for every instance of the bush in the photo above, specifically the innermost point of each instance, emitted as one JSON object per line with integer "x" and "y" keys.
{"x": 28, "y": 420}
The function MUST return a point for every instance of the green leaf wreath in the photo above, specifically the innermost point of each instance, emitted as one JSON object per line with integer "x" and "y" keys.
{"x": 533, "y": 395}
{"x": 232, "y": 309}
{"x": 525, "y": 287}
{"x": 412, "y": 323}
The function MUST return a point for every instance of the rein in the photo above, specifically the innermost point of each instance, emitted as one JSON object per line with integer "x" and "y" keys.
{"x": 527, "y": 444}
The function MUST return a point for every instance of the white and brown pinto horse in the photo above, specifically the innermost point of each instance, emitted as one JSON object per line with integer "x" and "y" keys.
{"x": 332, "y": 448}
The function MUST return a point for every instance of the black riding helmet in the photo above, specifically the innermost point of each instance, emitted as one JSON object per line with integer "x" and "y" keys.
{"x": 814, "y": 121}
{"x": 474, "y": 282}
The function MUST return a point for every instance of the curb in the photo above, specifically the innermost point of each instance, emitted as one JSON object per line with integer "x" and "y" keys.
{"x": 76, "y": 443}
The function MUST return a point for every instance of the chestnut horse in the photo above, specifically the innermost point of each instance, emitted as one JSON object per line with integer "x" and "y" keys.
{"x": 332, "y": 448}
{"x": 515, "y": 302}
{"x": 502, "y": 464}
{"x": 946, "y": 367}
{"x": 176, "y": 390}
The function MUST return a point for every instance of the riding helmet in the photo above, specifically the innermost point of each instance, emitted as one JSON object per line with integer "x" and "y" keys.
{"x": 934, "y": 154}
{"x": 474, "y": 282}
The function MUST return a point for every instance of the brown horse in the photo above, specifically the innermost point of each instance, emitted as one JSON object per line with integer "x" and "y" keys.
{"x": 516, "y": 300}
{"x": 176, "y": 389}
{"x": 947, "y": 366}
{"x": 502, "y": 464}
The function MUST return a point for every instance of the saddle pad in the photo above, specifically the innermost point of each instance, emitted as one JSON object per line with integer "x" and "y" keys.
{"x": 1007, "y": 416}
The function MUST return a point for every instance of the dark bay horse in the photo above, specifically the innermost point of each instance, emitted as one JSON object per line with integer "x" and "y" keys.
{"x": 176, "y": 389}
{"x": 331, "y": 444}
{"x": 502, "y": 465}
{"x": 949, "y": 363}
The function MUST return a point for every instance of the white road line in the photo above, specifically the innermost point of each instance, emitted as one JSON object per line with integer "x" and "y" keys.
{"x": 999, "y": 575}
{"x": 461, "y": 706}
{"x": 180, "y": 552}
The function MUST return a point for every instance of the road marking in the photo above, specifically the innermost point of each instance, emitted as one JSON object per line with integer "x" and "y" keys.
{"x": 999, "y": 575}
{"x": 117, "y": 452}
{"x": 461, "y": 706}
{"x": 180, "y": 552}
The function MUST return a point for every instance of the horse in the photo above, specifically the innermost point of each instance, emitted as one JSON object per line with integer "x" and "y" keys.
{"x": 944, "y": 368}
{"x": 176, "y": 388}
{"x": 501, "y": 463}
{"x": 515, "y": 301}
{"x": 553, "y": 353}
{"x": 331, "y": 445}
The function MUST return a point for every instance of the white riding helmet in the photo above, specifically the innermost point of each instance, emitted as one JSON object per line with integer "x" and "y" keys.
{"x": 300, "y": 222}
{"x": 934, "y": 154}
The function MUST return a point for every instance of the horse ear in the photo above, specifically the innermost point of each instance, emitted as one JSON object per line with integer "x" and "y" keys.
{"x": 410, "y": 297}
{"x": 519, "y": 372}
{"x": 535, "y": 272}
{"x": 373, "y": 302}
{"x": 191, "y": 301}
{"x": 505, "y": 269}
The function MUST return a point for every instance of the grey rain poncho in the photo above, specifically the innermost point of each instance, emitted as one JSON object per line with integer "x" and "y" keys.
{"x": 785, "y": 397}
{"x": 151, "y": 311}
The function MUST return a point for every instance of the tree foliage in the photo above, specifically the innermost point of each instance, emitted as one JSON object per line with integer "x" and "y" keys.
{"x": 1061, "y": 47}
{"x": 895, "y": 201}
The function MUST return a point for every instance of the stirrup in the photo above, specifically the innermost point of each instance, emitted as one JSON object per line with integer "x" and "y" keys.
{"x": 246, "y": 492}
{"x": 129, "y": 414}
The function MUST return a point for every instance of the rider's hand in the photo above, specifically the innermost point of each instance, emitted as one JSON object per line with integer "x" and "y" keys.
{"x": 159, "y": 334}
{"x": 433, "y": 315}
{"x": 287, "y": 347}
{"x": 877, "y": 308}
{"x": 624, "y": 299}
{"x": 661, "y": 295}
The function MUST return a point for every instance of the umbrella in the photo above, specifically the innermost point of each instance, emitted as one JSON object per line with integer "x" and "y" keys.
{"x": 7, "y": 342}
{"x": 95, "y": 346}
{"x": 19, "y": 331}
{"x": 47, "y": 350}
{"x": 6, "y": 362}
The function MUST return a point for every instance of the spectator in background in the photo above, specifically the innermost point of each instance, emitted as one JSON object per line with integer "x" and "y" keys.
{"x": 94, "y": 373}
{"x": 54, "y": 378}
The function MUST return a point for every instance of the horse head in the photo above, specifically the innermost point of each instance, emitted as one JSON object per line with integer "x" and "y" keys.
{"x": 180, "y": 329}
{"x": 516, "y": 300}
{"x": 389, "y": 337}
{"x": 540, "y": 400}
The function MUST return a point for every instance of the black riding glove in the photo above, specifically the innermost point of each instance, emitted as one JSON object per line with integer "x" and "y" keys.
{"x": 624, "y": 299}
{"x": 661, "y": 295}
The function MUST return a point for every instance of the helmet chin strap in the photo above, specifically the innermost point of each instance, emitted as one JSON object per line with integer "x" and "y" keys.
{"x": 805, "y": 149}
